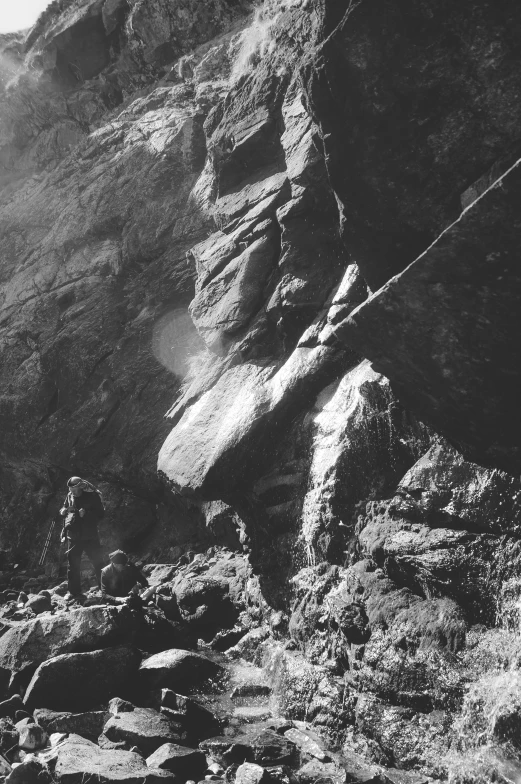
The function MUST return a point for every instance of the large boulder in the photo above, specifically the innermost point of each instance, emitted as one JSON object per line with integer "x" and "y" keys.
{"x": 142, "y": 727}
{"x": 76, "y": 681}
{"x": 185, "y": 762}
{"x": 33, "y": 642}
{"x": 196, "y": 720}
{"x": 177, "y": 669}
{"x": 79, "y": 760}
{"x": 31, "y": 771}
{"x": 260, "y": 745}
{"x": 89, "y": 725}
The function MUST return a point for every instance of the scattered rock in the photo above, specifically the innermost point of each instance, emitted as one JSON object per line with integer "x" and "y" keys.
{"x": 262, "y": 746}
{"x": 196, "y": 720}
{"x": 177, "y": 669}
{"x": 143, "y": 727}
{"x": 249, "y": 773}
{"x": 79, "y": 760}
{"x": 32, "y": 737}
{"x": 89, "y": 725}
{"x": 117, "y": 705}
{"x": 30, "y": 771}
{"x": 250, "y": 690}
{"x": 33, "y": 642}
{"x": 39, "y": 604}
{"x": 81, "y": 680}
{"x": 183, "y": 761}
{"x": 404, "y": 777}
{"x": 306, "y": 744}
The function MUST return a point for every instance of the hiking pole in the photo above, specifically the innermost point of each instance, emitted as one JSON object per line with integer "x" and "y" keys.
{"x": 47, "y": 543}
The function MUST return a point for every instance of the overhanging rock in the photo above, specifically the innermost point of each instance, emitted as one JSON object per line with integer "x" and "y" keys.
{"x": 445, "y": 330}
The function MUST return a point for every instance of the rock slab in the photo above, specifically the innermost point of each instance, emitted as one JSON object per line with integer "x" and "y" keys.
{"x": 81, "y": 680}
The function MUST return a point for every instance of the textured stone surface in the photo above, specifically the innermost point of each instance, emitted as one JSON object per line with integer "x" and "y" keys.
{"x": 177, "y": 669}
{"x": 459, "y": 369}
{"x": 78, "y": 759}
{"x": 259, "y": 745}
{"x": 76, "y": 681}
{"x": 96, "y": 278}
{"x": 89, "y": 725}
{"x": 185, "y": 762}
{"x": 142, "y": 727}
{"x": 32, "y": 642}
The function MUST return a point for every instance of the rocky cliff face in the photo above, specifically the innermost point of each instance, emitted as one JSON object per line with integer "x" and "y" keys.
{"x": 229, "y": 217}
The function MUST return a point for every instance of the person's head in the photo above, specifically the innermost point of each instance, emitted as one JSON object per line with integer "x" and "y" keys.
{"x": 118, "y": 559}
{"x": 75, "y": 485}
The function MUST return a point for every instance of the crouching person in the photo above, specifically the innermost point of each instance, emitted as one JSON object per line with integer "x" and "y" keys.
{"x": 123, "y": 583}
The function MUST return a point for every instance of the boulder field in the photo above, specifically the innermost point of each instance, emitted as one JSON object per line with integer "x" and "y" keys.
{"x": 258, "y": 283}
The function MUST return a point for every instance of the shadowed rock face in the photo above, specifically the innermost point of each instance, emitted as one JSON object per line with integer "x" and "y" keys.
{"x": 442, "y": 329}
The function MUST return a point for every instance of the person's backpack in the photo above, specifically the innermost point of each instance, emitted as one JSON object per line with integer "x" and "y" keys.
{"x": 72, "y": 526}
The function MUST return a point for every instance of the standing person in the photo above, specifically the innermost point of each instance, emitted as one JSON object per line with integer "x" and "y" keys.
{"x": 82, "y": 510}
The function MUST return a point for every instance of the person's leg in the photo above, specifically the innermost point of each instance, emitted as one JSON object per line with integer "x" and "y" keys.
{"x": 74, "y": 568}
{"x": 96, "y": 557}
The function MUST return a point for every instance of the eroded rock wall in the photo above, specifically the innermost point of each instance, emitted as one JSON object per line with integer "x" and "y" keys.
{"x": 197, "y": 196}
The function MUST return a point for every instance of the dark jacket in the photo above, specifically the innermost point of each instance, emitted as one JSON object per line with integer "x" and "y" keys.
{"x": 83, "y": 529}
{"x": 114, "y": 583}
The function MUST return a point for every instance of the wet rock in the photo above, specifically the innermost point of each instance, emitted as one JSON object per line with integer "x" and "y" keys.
{"x": 33, "y": 642}
{"x": 143, "y": 727}
{"x": 492, "y": 709}
{"x": 259, "y": 745}
{"x": 251, "y": 714}
{"x": 183, "y": 761}
{"x": 307, "y": 745}
{"x": 81, "y": 680}
{"x": 177, "y": 669}
{"x": 411, "y": 739}
{"x": 250, "y": 690}
{"x": 404, "y": 777}
{"x": 305, "y": 691}
{"x": 197, "y": 455}
{"x": 78, "y": 759}
{"x": 196, "y": 720}
{"x": 89, "y": 725}
{"x": 314, "y": 770}
{"x": 249, "y": 773}
{"x": 351, "y": 416}
{"x": 431, "y": 555}
{"x": 248, "y": 645}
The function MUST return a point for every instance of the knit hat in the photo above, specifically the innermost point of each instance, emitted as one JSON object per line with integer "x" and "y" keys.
{"x": 118, "y": 557}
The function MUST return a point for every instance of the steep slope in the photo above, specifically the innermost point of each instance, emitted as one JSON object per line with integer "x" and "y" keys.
{"x": 95, "y": 223}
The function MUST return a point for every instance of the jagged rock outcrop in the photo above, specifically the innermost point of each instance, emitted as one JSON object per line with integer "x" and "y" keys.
{"x": 95, "y": 223}
{"x": 195, "y": 196}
